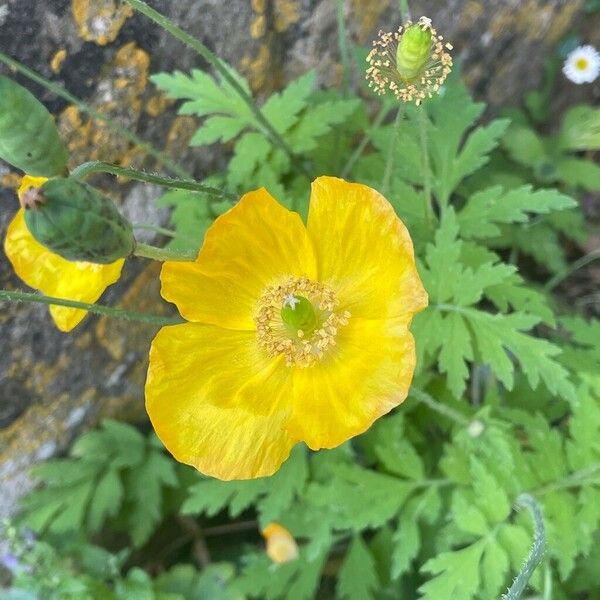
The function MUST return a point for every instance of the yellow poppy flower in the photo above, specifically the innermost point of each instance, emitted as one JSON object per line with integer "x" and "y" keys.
{"x": 50, "y": 273}
{"x": 281, "y": 545}
{"x": 294, "y": 333}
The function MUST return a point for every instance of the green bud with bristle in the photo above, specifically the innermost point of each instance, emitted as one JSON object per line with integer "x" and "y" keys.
{"x": 75, "y": 221}
{"x": 29, "y": 139}
{"x": 414, "y": 50}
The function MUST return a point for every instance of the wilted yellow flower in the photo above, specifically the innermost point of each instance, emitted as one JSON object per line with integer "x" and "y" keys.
{"x": 411, "y": 62}
{"x": 281, "y": 545}
{"x": 295, "y": 333}
{"x": 52, "y": 274}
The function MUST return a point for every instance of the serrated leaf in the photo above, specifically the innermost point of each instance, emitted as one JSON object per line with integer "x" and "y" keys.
{"x": 494, "y": 567}
{"x": 456, "y": 574}
{"x": 357, "y": 578}
{"x": 106, "y": 499}
{"x": 486, "y": 209}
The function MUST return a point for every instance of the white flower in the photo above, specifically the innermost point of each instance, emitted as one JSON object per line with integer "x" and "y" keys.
{"x": 582, "y": 65}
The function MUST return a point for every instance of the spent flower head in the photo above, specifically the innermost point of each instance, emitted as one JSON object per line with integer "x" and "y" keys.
{"x": 582, "y": 65}
{"x": 412, "y": 62}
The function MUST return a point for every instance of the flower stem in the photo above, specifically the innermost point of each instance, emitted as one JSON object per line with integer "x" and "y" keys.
{"x": 161, "y": 254}
{"x": 99, "y": 309}
{"x": 389, "y": 165}
{"x": 404, "y": 11}
{"x": 379, "y": 118}
{"x": 426, "y": 165}
{"x": 438, "y": 407}
{"x": 86, "y": 108}
{"x": 343, "y": 44}
{"x": 537, "y": 549}
{"x": 97, "y": 166}
{"x": 220, "y": 67}
{"x": 578, "y": 264}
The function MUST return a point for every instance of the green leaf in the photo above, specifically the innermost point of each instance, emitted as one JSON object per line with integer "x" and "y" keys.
{"x": 357, "y": 578}
{"x": 106, "y": 501}
{"x": 456, "y": 574}
{"x": 485, "y": 209}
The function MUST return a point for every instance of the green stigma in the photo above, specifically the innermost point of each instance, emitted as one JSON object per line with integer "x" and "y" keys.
{"x": 413, "y": 51}
{"x": 299, "y": 314}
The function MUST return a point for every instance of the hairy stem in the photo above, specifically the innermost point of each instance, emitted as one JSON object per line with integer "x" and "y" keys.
{"x": 576, "y": 265}
{"x": 99, "y": 309}
{"x": 97, "y": 166}
{"x": 438, "y": 407}
{"x": 426, "y": 165}
{"x": 537, "y": 549}
{"x": 161, "y": 254}
{"x": 86, "y": 108}
{"x": 379, "y": 118}
{"x": 220, "y": 67}
{"x": 404, "y": 11}
{"x": 343, "y": 44}
{"x": 391, "y": 157}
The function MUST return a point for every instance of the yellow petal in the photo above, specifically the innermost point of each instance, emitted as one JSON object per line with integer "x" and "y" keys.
{"x": 366, "y": 375}
{"x": 55, "y": 276}
{"x": 252, "y": 246}
{"x": 364, "y": 251}
{"x": 217, "y": 403}
{"x": 281, "y": 545}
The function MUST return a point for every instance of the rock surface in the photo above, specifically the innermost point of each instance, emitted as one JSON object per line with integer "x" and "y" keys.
{"x": 52, "y": 385}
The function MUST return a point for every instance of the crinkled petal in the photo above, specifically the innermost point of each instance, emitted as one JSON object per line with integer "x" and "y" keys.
{"x": 254, "y": 245}
{"x": 364, "y": 251}
{"x": 366, "y": 375}
{"x": 55, "y": 276}
{"x": 217, "y": 402}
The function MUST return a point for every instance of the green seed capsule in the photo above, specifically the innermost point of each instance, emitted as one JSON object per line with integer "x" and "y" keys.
{"x": 413, "y": 51}
{"x": 29, "y": 139}
{"x": 77, "y": 222}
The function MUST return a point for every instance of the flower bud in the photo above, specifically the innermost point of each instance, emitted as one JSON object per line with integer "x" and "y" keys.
{"x": 75, "y": 221}
{"x": 281, "y": 545}
{"x": 29, "y": 139}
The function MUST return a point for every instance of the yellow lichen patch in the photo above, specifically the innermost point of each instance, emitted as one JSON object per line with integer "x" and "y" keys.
{"x": 258, "y": 27}
{"x": 287, "y": 13}
{"x": 471, "y": 12}
{"x": 157, "y": 104}
{"x": 11, "y": 180}
{"x": 100, "y": 21}
{"x": 57, "y": 60}
{"x": 366, "y": 16}
{"x": 257, "y": 69}
{"x": 119, "y": 97}
{"x": 180, "y": 133}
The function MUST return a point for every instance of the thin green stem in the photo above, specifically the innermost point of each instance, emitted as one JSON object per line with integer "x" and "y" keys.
{"x": 379, "y": 118}
{"x": 574, "y": 266}
{"x": 438, "y": 407}
{"x": 391, "y": 157}
{"x": 426, "y": 165}
{"x": 162, "y": 230}
{"x": 97, "y": 166}
{"x": 86, "y": 108}
{"x": 161, "y": 254}
{"x": 99, "y": 309}
{"x": 343, "y": 44}
{"x": 224, "y": 72}
{"x": 577, "y": 478}
{"x": 404, "y": 11}
{"x": 536, "y": 552}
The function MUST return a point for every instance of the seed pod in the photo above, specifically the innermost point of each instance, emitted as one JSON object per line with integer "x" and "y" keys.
{"x": 29, "y": 139}
{"x": 414, "y": 50}
{"x": 77, "y": 222}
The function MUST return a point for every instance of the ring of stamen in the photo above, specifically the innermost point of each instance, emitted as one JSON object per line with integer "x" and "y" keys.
{"x": 300, "y": 349}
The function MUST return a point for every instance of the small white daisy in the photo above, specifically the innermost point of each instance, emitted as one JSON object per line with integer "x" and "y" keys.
{"x": 582, "y": 65}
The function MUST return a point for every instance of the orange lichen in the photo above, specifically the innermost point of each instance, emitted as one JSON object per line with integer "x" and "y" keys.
{"x": 100, "y": 21}
{"x": 57, "y": 60}
{"x": 119, "y": 97}
{"x": 287, "y": 13}
{"x": 367, "y": 15}
{"x": 180, "y": 133}
{"x": 157, "y": 104}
